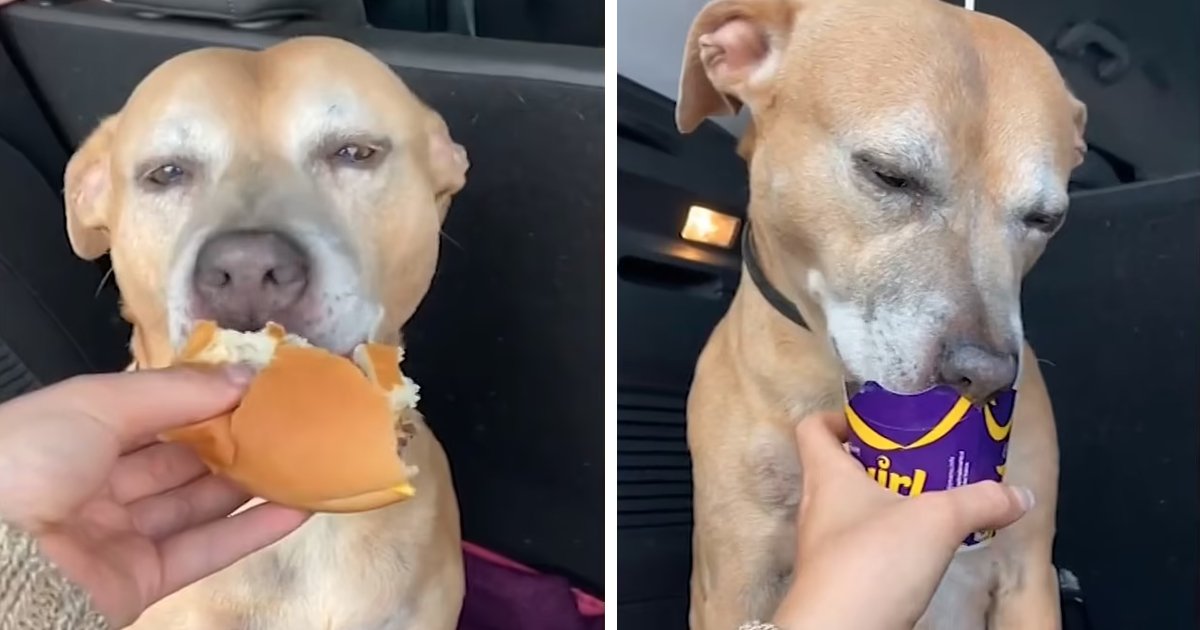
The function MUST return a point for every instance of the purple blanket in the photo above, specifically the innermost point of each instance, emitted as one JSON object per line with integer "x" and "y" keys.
{"x": 504, "y": 595}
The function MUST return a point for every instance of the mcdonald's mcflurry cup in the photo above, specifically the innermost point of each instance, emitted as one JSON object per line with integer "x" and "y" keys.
{"x": 932, "y": 440}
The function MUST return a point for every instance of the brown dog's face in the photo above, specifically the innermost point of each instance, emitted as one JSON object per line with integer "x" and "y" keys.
{"x": 303, "y": 184}
{"x": 908, "y": 163}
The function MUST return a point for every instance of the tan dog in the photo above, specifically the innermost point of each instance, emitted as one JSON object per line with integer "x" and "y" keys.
{"x": 303, "y": 184}
{"x": 908, "y": 161}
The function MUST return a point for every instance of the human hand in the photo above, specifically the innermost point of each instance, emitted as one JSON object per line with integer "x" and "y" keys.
{"x": 126, "y": 518}
{"x": 851, "y": 532}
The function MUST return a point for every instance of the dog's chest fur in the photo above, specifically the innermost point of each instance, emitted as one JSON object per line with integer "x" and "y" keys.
{"x": 964, "y": 596}
{"x": 337, "y": 572}
{"x": 325, "y": 581}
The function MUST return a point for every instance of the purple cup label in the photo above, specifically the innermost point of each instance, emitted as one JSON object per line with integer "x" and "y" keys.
{"x": 935, "y": 440}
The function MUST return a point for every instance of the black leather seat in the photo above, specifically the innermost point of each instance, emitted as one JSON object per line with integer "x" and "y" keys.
{"x": 55, "y": 320}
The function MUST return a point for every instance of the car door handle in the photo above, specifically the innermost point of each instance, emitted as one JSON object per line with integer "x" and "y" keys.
{"x": 671, "y": 277}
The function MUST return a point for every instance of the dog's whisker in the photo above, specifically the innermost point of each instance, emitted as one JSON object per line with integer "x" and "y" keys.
{"x": 451, "y": 239}
{"x": 108, "y": 274}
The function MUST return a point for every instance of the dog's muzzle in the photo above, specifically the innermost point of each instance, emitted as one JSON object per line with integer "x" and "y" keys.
{"x": 243, "y": 279}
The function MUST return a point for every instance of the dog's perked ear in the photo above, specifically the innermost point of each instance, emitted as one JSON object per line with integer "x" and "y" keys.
{"x": 447, "y": 161}
{"x": 731, "y": 52}
{"x": 88, "y": 193}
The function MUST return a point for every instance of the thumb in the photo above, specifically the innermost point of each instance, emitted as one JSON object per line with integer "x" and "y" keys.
{"x": 980, "y": 506}
{"x": 819, "y": 439}
{"x": 133, "y": 405}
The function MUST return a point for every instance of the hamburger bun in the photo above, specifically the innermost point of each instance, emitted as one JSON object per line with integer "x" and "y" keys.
{"x": 314, "y": 431}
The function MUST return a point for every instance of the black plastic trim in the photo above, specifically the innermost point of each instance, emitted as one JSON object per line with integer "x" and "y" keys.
{"x": 423, "y": 51}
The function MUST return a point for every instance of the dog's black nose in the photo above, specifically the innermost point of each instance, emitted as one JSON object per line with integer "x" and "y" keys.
{"x": 244, "y": 279}
{"x": 976, "y": 372}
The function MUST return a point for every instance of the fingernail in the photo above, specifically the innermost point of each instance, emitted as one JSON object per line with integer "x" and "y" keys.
{"x": 239, "y": 374}
{"x": 1025, "y": 497}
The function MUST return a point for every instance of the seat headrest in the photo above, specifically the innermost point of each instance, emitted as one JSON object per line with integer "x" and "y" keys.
{"x": 250, "y": 11}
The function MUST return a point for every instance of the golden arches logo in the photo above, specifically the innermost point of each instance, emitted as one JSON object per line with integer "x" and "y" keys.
{"x": 872, "y": 438}
{"x": 998, "y": 433}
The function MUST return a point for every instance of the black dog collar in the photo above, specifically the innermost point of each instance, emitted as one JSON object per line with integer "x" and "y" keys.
{"x": 776, "y": 299}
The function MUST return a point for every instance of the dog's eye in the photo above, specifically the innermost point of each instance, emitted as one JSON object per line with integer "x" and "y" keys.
{"x": 892, "y": 181}
{"x": 166, "y": 175}
{"x": 881, "y": 174}
{"x": 1043, "y": 221}
{"x": 355, "y": 154}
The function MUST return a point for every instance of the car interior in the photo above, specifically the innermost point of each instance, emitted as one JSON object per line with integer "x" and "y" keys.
{"x": 1110, "y": 309}
{"x": 505, "y": 344}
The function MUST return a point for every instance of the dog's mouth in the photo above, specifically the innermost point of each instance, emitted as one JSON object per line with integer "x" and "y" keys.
{"x": 342, "y": 347}
{"x": 304, "y": 316}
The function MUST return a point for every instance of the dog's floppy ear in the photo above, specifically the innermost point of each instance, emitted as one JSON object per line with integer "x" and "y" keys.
{"x": 731, "y": 50}
{"x": 749, "y": 139}
{"x": 1079, "y": 118}
{"x": 88, "y": 193}
{"x": 447, "y": 161}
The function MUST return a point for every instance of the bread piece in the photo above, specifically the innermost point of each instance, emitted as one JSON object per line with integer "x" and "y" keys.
{"x": 315, "y": 430}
